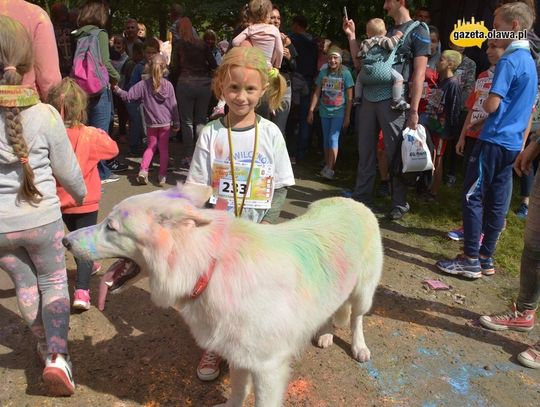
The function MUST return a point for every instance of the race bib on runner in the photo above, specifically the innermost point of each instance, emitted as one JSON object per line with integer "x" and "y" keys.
{"x": 258, "y": 194}
{"x": 332, "y": 91}
{"x": 483, "y": 85}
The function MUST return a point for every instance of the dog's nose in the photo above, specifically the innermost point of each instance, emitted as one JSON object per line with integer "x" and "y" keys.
{"x": 66, "y": 243}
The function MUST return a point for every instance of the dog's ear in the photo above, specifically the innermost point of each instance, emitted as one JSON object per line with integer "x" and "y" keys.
{"x": 182, "y": 218}
{"x": 198, "y": 194}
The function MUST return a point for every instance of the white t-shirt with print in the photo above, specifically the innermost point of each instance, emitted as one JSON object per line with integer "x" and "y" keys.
{"x": 272, "y": 169}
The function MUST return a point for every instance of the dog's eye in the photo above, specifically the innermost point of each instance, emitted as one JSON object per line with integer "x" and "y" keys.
{"x": 110, "y": 226}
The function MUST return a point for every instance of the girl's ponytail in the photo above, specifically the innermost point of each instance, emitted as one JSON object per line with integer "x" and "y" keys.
{"x": 14, "y": 133}
{"x": 158, "y": 69}
{"x": 277, "y": 86}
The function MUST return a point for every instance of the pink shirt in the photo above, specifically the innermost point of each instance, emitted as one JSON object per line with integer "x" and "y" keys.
{"x": 267, "y": 38}
{"x": 46, "y": 70}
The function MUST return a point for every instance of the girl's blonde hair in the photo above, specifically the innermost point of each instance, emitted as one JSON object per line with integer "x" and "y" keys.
{"x": 16, "y": 50}
{"x": 259, "y": 11}
{"x": 70, "y": 100}
{"x": 158, "y": 69}
{"x": 251, "y": 58}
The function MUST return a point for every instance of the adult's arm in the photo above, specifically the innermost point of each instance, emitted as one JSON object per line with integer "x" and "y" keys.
{"x": 415, "y": 89}
{"x": 46, "y": 63}
{"x": 350, "y": 31}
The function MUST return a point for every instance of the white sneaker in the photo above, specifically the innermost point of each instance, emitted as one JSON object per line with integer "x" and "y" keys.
{"x": 112, "y": 178}
{"x": 162, "y": 181}
{"x": 142, "y": 178}
{"x": 328, "y": 174}
{"x": 57, "y": 375}
{"x": 208, "y": 368}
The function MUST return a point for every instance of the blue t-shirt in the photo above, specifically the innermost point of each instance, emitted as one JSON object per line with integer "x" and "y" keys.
{"x": 333, "y": 91}
{"x": 516, "y": 82}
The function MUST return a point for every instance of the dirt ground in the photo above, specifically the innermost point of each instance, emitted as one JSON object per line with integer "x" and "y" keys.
{"x": 426, "y": 349}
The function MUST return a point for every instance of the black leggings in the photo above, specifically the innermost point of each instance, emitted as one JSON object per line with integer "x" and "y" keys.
{"x": 73, "y": 222}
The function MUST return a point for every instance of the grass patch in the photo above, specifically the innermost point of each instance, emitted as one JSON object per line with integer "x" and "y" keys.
{"x": 428, "y": 218}
{"x": 428, "y": 222}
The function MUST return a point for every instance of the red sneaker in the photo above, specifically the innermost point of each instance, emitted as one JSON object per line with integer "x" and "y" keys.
{"x": 208, "y": 368}
{"x": 511, "y": 319}
{"x": 531, "y": 357}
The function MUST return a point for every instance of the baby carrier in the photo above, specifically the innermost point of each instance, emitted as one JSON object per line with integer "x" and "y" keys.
{"x": 377, "y": 65}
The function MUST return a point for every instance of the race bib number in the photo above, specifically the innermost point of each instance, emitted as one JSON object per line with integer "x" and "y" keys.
{"x": 478, "y": 116}
{"x": 226, "y": 188}
{"x": 259, "y": 193}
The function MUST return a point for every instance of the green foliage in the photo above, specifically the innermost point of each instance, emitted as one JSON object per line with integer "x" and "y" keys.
{"x": 325, "y": 17}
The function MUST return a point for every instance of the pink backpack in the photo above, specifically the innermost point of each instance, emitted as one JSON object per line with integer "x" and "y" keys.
{"x": 88, "y": 69}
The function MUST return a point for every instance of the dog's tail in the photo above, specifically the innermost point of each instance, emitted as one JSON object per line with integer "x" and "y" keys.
{"x": 342, "y": 316}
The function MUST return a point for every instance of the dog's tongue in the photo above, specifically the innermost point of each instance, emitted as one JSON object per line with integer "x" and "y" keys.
{"x": 116, "y": 276}
{"x": 104, "y": 285}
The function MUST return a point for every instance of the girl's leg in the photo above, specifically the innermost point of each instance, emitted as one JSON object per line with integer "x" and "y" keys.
{"x": 325, "y": 127}
{"x": 77, "y": 221}
{"x": 150, "y": 149}
{"x": 163, "y": 145}
{"x": 39, "y": 257}
{"x": 335, "y": 130}
{"x": 22, "y": 272}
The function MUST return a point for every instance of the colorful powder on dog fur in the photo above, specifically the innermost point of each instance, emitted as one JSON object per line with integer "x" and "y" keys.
{"x": 299, "y": 390}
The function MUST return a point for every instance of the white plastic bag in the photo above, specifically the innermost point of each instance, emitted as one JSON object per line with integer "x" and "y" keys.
{"x": 415, "y": 153}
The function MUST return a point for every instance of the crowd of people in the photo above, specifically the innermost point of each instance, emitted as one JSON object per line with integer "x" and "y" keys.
{"x": 246, "y": 109}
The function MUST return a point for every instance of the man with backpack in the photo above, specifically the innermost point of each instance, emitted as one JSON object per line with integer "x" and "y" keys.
{"x": 410, "y": 59}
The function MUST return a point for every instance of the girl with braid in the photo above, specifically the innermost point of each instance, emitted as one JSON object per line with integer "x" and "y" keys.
{"x": 34, "y": 150}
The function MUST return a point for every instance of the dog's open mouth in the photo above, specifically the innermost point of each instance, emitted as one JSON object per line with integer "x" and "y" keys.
{"x": 118, "y": 274}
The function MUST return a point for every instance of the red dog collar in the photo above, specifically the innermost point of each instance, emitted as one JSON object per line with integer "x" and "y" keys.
{"x": 203, "y": 281}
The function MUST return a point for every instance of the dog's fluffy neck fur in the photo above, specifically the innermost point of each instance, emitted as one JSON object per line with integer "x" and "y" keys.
{"x": 175, "y": 285}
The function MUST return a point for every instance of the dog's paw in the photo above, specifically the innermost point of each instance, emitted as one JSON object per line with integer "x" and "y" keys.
{"x": 361, "y": 354}
{"x": 325, "y": 341}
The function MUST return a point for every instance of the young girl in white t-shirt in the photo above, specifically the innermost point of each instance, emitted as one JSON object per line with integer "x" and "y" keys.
{"x": 242, "y": 155}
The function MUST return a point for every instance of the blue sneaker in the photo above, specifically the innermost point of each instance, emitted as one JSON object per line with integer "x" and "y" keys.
{"x": 522, "y": 211}
{"x": 456, "y": 234}
{"x": 347, "y": 194}
{"x": 486, "y": 266}
{"x": 461, "y": 266}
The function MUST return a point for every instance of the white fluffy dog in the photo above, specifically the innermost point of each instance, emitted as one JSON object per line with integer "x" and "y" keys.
{"x": 253, "y": 293}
